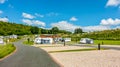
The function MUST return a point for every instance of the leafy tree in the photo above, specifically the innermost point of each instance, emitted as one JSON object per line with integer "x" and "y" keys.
{"x": 78, "y": 30}
{"x": 55, "y": 30}
{"x": 44, "y": 31}
{"x": 34, "y": 30}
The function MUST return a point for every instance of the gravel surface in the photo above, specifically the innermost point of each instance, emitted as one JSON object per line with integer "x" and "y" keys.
{"x": 103, "y": 58}
{"x": 58, "y": 48}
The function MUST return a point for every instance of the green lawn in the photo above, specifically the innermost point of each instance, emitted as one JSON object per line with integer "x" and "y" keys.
{"x": 75, "y": 50}
{"x": 107, "y": 42}
{"x": 6, "y": 49}
{"x": 28, "y": 43}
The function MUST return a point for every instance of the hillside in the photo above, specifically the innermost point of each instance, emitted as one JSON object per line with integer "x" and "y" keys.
{"x": 7, "y": 28}
{"x": 100, "y": 35}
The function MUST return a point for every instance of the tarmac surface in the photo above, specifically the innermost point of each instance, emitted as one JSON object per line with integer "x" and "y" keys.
{"x": 28, "y": 56}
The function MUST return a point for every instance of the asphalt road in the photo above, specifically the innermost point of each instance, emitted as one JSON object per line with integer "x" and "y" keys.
{"x": 28, "y": 56}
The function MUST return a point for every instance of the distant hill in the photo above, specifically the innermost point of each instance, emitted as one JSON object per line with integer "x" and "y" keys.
{"x": 104, "y": 35}
{"x": 7, "y": 28}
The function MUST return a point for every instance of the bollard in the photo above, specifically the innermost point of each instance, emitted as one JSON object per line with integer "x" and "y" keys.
{"x": 98, "y": 46}
{"x": 64, "y": 42}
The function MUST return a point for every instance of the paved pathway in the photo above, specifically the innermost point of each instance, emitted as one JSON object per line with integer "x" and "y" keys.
{"x": 28, "y": 56}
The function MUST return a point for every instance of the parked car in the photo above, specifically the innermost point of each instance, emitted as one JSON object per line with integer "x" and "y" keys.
{"x": 86, "y": 41}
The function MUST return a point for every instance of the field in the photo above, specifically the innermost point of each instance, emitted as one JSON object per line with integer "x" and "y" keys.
{"x": 107, "y": 42}
{"x": 6, "y": 49}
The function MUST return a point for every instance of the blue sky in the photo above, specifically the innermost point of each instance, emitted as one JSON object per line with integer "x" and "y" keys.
{"x": 90, "y": 15}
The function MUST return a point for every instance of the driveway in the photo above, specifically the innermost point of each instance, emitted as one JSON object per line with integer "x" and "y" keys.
{"x": 28, "y": 56}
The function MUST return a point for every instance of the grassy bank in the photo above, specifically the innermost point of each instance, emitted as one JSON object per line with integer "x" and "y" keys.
{"x": 6, "y": 49}
{"x": 107, "y": 42}
{"x": 28, "y": 43}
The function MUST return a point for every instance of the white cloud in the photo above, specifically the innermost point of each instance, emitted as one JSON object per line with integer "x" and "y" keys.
{"x": 110, "y": 22}
{"x": 34, "y": 22}
{"x": 73, "y": 19}
{"x": 26, "y": 15}
{"x": 95, "y": 28}
{"x": 64, "y": 25}
{"x": 39, "y": 15}
{"x": 113, "y": 3}
{"x": 1, "y": 11}
{"x": 37, "y": 22}
{"x": 2, "y": 1}
{"x": 4, "y": 19}
{"x": 27, "y": 21}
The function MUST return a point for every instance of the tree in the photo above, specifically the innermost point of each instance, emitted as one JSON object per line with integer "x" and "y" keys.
{"x": 78, "y": 30}
{"x": 55, "y": 30}
{"x": 34, "y": 30}
{"x": 44, "y": 31}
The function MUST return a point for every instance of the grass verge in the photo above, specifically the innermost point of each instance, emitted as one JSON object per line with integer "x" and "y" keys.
{"x": 6, "y": 49}
{"x": 28, "y": 43}
{"x": 75, "y": 50}
{"x": 107, "y": 42}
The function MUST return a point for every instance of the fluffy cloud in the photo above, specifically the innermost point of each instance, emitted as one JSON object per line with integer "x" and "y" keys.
{"x": 1, "y": 12}
{"x": 34, "y": 22}
{"x": 4, "y": 19}
{"x": 110, "y": 22}
{"x": 39, "y": 15}
{"x": 26, "y": 15}
{"x": 29, "y": 22}
{"x": 2, "y": 1}
{"x": 73, "y": 19}
{"x": 37, "y": 22}
{"x": 113, "y": 3}
{"x": 64, "y": 25}
{"x": 95, "y": 28}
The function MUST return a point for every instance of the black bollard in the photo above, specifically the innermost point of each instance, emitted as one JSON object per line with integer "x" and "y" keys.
{"x": 64, "y": 42}
{"x": 98, "y": 46}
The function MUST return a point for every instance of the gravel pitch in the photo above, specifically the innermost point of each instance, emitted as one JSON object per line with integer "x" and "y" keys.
{"x": 103, "y": 58}
{"x": 95, "y": 58}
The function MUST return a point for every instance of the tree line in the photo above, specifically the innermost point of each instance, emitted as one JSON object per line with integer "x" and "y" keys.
{"x": 8, "y": 28}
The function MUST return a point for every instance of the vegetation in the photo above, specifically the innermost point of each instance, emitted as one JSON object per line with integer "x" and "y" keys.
{"x": 78, "y": 30}
{"x": 28, "y": 43}
{"x": 7, "y": 28}
{"x": 107, "y": 42}
{"x": 34, "y": 30}
{"x": 6, "y": 49}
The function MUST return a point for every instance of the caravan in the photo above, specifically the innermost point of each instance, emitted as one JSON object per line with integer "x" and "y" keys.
{"x": 86, "y": 41}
